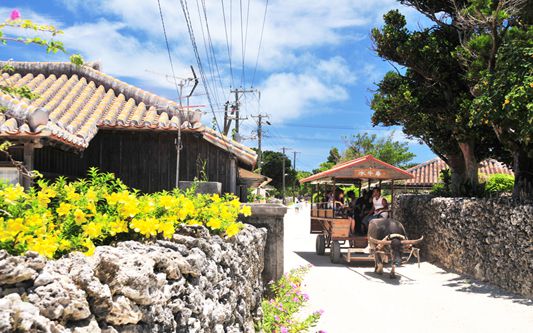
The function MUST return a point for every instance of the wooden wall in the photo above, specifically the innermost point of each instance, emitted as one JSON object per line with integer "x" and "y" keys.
{"x": 143, "y": 160}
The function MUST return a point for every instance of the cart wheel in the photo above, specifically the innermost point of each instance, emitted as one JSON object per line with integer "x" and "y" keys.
{"x": 320, "y": 245}
{"x": 335, "y": 252}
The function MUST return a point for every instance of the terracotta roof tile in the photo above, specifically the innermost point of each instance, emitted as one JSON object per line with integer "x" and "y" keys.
{"x": 428, "y": 173}
{"x": 80, "y": 100}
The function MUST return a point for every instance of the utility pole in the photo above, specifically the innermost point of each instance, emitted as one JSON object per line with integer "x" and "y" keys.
{"x": 260, "y": 123}
{"x": 235, "y": 109}
{"x": 283, "y": 168}
{"x": 294, "y": 167}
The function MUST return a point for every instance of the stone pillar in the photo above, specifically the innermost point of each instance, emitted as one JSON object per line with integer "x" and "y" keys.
{"x": 270, "y": 216}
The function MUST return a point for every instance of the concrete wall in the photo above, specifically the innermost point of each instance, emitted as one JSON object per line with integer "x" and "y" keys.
{"x": 270, "y": 216}
{"x": 489, "y": 239}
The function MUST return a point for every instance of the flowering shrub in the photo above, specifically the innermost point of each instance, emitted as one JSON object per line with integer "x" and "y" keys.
{"x": 60, "y": 217}
{"x": 279, "y": 313}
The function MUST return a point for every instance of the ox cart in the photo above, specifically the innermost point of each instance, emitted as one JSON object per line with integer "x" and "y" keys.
{"x": 334, "y": 226}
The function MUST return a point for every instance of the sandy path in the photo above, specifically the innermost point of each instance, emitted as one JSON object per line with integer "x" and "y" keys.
{"x": 421, "y": 300}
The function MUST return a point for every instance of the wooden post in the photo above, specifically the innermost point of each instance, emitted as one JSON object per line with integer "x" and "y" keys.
{"x": 391, "y": 197}
{"x": 28, "y": 163}
{"x": 233, "y": 176}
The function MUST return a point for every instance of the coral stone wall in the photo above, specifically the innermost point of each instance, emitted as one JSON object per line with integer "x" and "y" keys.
{"x": 194, "y": 283}
{"x": 489, "y": 239}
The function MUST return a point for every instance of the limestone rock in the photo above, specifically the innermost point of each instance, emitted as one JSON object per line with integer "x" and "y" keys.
{"x": 194, "y": 283}
{"x": 15, "y": 269}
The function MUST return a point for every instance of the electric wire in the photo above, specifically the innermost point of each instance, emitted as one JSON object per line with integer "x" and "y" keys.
{"x": 242, "y": 44}
{"x": 227, "y": 42}
{"x": 210, "y": 65}
{"x": 260, "y": 43}
{"x": 168, "y": 48}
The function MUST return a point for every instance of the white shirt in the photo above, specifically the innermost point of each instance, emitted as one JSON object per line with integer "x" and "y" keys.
{"x": 378, "y": 204}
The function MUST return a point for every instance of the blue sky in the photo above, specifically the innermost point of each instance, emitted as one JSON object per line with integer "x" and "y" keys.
{"x": 316, "y": 69}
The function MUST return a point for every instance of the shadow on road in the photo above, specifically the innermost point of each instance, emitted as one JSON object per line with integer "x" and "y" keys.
{"x": 464, "y": 284}
{"x": 324, "y": 261}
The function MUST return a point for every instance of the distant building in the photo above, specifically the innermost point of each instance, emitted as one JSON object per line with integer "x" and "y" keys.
{"x": 428, "y": 173}
{"x": 83, "y": 118}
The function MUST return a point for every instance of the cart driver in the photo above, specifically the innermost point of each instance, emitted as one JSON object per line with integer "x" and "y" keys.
{"x": 380, "y": 207}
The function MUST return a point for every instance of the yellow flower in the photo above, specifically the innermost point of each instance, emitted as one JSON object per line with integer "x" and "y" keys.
{"x": 233, "y": 229}
{"x": 531, "y": 85}
{"x": 130, "y": 208}
{"x": 166, "y": 201}
{"x": 215, "y": 197}
{"x": 15, "y": 226}
{"x": 89, "y": 245}
{"x": 93, "y": 230}
{"x": 64, "y": 244}
{"x": 214, "y": 223}
{"x": 79, "y": 216}
{"x": 91, "y": 195}
{"x": 193, "y": 222}
{"x": 91, "y": 207}
{"x": 13, "y": 193}
{"x": 63, "y": 209}
{"x": 246, "y": 210}
{"x": 147, "y": 227}
{"x": 34, "y": 220}
{"x": 507, "y": 101}
{"x": 167, "y": 229}
{"x": 118, "y": 226}
{"x": 43, "y": 199}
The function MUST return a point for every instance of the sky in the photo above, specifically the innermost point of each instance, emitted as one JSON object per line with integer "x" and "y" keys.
{"x": 313, "y": 74}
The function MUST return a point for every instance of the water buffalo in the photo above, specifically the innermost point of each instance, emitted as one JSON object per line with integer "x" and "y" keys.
{"x": 386, "y": 236}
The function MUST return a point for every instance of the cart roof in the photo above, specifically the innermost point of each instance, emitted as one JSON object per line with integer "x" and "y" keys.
{"x": 366, "y": 167}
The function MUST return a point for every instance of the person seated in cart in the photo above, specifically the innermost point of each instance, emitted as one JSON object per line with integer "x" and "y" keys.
{"x": 380, "y": 208}
{"x": 363, "y": 207}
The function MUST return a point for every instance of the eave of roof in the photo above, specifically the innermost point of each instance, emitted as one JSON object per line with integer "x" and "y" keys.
{"x": 331, "y": 173}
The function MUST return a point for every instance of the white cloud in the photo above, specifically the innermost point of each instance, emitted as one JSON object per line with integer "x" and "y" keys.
{"x": 288, "y": 95}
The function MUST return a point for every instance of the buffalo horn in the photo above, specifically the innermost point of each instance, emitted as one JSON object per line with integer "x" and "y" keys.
{"x": 412, "y": 241}
{"x": 378, "y": 242}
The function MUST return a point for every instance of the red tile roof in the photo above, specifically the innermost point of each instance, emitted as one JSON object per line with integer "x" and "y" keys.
{"x": 428, "y": 173}
{"x": 80, "y": 100}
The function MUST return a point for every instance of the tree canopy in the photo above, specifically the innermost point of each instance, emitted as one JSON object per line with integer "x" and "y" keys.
{"x": 432, "y": 97}
{"x": 272, "y": 167}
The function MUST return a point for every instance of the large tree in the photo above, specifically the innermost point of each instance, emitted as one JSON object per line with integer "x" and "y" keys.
{"x": 496, "y": 52}
{"x": 385, "y": 148}
{"x": 272, "y": 166}
{"x": 431, "y": 98}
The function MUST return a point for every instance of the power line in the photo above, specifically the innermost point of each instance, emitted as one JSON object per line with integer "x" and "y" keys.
{"x": 242, "y": 44}
{"x": 260, "y": 43}
{"x": 168, "y": 47}
{"x": 227, "y": 42}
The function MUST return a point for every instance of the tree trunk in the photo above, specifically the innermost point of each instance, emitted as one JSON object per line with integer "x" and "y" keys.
{"x": 456, "y": 163}
{"x": 471, "y": 181}
{"x": 523, "y": 172}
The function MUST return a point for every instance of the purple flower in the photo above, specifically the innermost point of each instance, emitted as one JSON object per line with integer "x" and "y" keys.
{"x": 306, "y": 297}
{"x": 294, "y": 286}
{"x": 295, "y": 299}
{"x": 319, "y": 312}
{"x": 15, "y": 15}
{"x": 321, "y": 331}
{"x": 276, "y": 318}
{"x": 284, "y": 329}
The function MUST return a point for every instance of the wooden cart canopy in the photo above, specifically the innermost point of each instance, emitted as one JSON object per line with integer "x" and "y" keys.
{"x": 366, "y": 167}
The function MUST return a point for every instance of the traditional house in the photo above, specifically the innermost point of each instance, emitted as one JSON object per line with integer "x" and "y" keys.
{"x": 428, "y": 173}
{"x": 84, "y": 118}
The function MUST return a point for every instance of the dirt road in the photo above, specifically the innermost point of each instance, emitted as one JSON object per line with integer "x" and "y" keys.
{"x": 425, "y": 299}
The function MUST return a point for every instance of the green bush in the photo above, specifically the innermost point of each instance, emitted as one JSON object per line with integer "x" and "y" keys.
{"x": 57, "y": 218}
{"x": 499, "y": 183}
{"x": 280, "y": 312}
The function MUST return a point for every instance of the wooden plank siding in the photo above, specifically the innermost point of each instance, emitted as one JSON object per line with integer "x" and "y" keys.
{"x": 142, "y": 160}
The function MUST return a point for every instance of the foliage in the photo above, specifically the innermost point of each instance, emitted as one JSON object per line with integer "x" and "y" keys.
{"x": 499, "y": 183}
{"x": 272, "y": 166}
{"x": 306, "y": 188}
{"x": 386, "y": 149}
{"x": 497, "y": 55}
{"x": 60, "y": 217}
{"x": 252, "y": 196}
{"x": 279, "y": 312}
{"x": 431, "y": 98}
